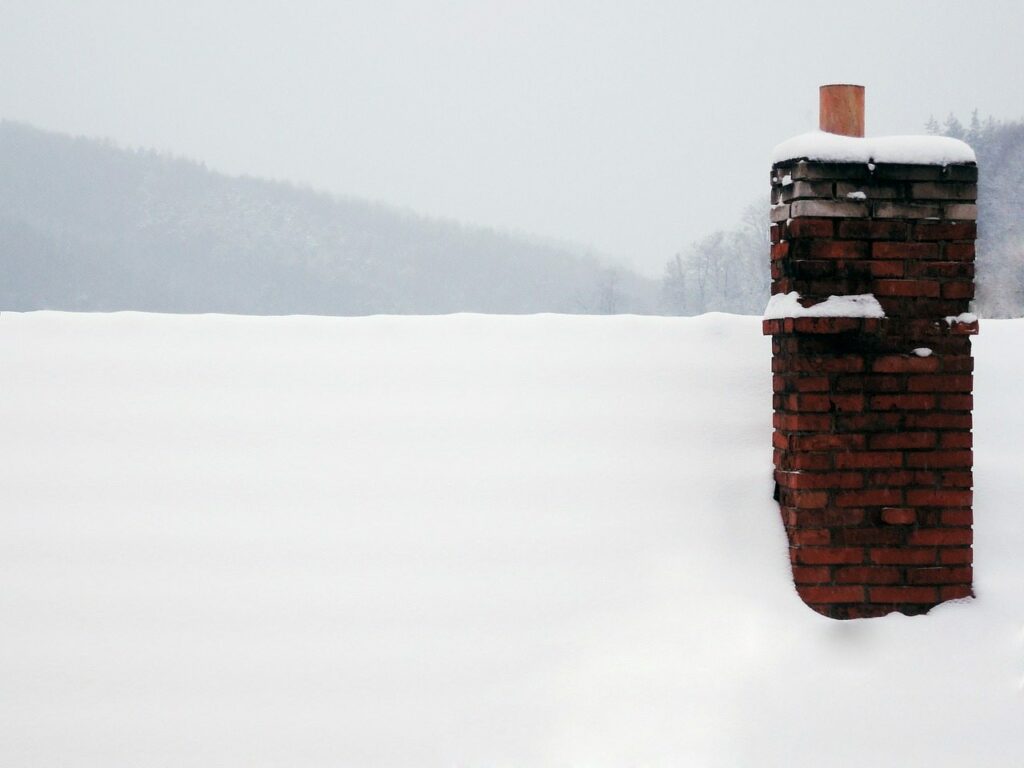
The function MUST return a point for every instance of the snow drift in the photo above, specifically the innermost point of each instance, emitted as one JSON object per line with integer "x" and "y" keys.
{"x": 462, "y": 540}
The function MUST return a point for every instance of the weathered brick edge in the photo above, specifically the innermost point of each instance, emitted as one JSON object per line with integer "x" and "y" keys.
{"x": 873, "y": 458}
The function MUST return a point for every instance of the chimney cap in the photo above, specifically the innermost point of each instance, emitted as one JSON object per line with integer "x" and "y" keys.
{"x": 841, "y": 109}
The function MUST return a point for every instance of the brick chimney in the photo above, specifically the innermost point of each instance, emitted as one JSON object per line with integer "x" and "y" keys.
{"x": 872, "y": 262}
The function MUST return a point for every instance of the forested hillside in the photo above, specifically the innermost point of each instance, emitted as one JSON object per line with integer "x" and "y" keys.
{"x": 85, "y": 225}
{"x": 728, "y": 270}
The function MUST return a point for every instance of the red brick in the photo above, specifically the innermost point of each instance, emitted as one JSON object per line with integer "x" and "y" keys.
{"x": 810, "y": 537}
{"x": 903, "y": 440}
{"x": 940, "y": 459}
{"x": 930, "y": 497}
{"x": 869, "y": 383}
{"x": 963, "y": 270}
{"x": 845, "y": 594}
{"x": 904, "y": 556}
{"x": 848, "y": 403}
{"x": 859, "y": 574}
{"x": 956, "y": 440}
{"x": 958, "y": 290}
{"x": 958, "y": 251}
{"x": 887, "y": 269}
{"x": 808, "y": 499}
{"x": 940, "y": 537}
{"x": 776, "y": 326}
{"x": 917, "y": 402}
{"x": 940, "y": 575}
{"x": 956, "y": 592}
{"x": 869, "y": 460}
{"x": 837, "y": 249}
{"x": 911, "y": 251}
{"x": 870, "y": 498}
{"x": 910, "y": 288}
{"x": 956, "y": 402}
{"x": 903, "y": 595}
{"x": 868, "y": 229}
{"x": 957, "y": 478}
{"x": 779, "y": 251}
{"x": 812, "y": 384}
{"x": 941, "y": 383}
{"x": 900, "y": 477}
{"x": 938, "y": 421}
{"x": 867, "y": 422}
{"x": 905, "y": 364}
{"x": 816, "y": 518}
{"x": 957, "y": 363}
{"x": 809, "y": 461}
{"x": 961, "y": 329}
{"x": 836, "y": 364}
{"x": 956, "y": 555}
{"x": 899, "y": 516}
{"x": 819, "y": 403}
{"x": 805, "y": 422}
{"x": 810, "y": 227}
{"x": 874, "y": 536}
{"x": 819, "y": 480}
{"x": 957, "y": 517}
{"x": 828, "y": 442}
{"x": 938, "y": 230}
{"x": 811, "y": 574}
{"x": 829, "y": 555}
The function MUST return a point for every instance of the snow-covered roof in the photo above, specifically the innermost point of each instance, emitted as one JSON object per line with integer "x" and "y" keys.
{"x": 462, "y": 540}
{"x": 831, "y": 147}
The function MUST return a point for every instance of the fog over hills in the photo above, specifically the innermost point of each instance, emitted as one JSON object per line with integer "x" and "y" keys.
{"x": 88, "y": 226}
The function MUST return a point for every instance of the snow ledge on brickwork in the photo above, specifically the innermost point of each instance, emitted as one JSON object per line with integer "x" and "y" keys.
{"x": 963, "y": 317}
{"x": 786, "y": 305}
{"x": 910, "y": 150}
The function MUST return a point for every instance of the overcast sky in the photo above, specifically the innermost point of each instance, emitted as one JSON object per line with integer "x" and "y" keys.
{"x": 630, "y": 128}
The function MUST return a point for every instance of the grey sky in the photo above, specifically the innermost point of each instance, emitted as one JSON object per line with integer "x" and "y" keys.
{"x": 629, "y": 127}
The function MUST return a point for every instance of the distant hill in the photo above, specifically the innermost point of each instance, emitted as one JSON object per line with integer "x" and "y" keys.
{"x": 85, "y": 225}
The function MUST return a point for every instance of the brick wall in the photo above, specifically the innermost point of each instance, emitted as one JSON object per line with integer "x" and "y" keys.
{"x": 872, "y": 438}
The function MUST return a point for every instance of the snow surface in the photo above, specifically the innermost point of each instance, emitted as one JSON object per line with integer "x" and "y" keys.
{"x": 963, "y": 317}
{"x": 456, "y": 541}
{"x": 831, "y": 147}
{"x": 783, "y": 305}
